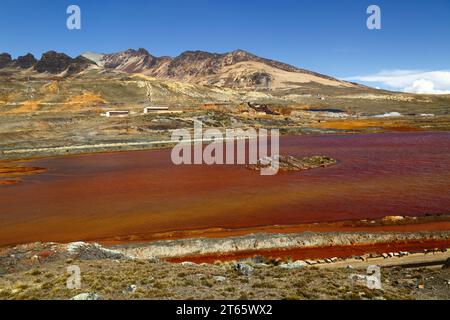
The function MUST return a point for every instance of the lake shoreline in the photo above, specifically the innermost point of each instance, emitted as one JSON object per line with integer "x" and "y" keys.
{"x": 34, "y": 154}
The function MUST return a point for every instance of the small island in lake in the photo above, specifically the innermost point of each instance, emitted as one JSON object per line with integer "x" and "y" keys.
{"x": 290, "y": 163}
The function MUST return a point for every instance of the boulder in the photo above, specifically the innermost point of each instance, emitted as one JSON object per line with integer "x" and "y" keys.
{"x": 131, "y": 288}
{"x": 219, "y": 279}
{"x": 154, "y": 260}
{"x": 294, "y": 265}
{"x": 87, "y": 297}
{"x": 244, "y": 269}
{"x": 393, "y": 219}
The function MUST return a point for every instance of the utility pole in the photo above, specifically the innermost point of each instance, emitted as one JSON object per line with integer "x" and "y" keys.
{"x": 30, "y": 89}
{"x": 149, "y": 95}
{"x": 264, "y": 86}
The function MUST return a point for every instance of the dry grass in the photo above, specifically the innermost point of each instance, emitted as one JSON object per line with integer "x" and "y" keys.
{"x": 112, "y": 280}
{"x": 86, "y": 99}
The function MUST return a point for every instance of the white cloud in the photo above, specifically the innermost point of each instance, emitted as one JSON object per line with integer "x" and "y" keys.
{"x": 414, "y": 81}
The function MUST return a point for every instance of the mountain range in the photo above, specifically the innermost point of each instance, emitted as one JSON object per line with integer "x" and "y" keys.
{"x": 236, "y": 69}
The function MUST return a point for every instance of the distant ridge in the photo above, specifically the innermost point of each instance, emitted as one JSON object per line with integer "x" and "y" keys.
{"x": 236, "y": 69}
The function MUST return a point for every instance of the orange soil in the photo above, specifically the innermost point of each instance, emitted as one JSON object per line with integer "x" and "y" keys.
{"x": 50, "y": 88}
{"x": 27, "y": 106}
{"x": 20, "y": 170}
{"x": 13, "y": 171}
{"x": 9, "y": 182}
{"x": 7, "y": 98}
{"x": 320, "y": 252}
{"x": 364, "y": 124}
{"x": 86, "y": 99}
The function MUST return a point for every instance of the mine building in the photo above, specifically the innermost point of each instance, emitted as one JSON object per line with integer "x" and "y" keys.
{"x": 148, "y": 110}
{"x": 119, "y": 113}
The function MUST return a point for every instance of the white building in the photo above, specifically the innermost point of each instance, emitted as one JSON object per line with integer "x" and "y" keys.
{"x": 148, "y": 110}
{"x": 118, "y": 113}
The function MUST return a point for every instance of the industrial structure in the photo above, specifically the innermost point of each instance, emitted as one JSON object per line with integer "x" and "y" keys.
{"x": 148, "y": 110}
{"x": 110, "y": 114}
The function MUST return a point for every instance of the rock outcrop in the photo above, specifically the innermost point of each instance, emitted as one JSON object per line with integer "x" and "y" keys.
{"x": 25, "y": 62}
{"x": 263, "y": 241}
{"x": 92, "y": 251}
{"x": 293, "y": 164}
{"x": 132, "y": 61}
{"x": 54, "y": 63}
{"x": 5, "y": 60}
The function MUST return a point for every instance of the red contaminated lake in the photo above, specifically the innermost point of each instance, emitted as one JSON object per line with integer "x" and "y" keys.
{"x": 134, "y": 195}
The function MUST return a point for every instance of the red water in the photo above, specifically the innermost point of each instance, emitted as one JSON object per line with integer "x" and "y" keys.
{"x": 133, "y": 195}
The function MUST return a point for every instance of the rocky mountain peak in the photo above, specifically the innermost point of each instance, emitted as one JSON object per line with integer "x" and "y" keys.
{"x": 5, "y": 59}
{"x": 239, "y": 56}
{"x": 194, "y": 63}
{"x": 197, "y": 55}
{"x": 130, "y": 60}
{"x": 235, "y": 69}
{"x": 241, "y": 53}
{"x": 54, "y": 62}
{"x": 133, "y": 52}
{"x": 142, "y": 51}
{"x": 26, "y": 61}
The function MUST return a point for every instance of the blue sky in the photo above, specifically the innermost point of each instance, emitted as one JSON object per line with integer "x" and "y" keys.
{"x": 326, "y": 36}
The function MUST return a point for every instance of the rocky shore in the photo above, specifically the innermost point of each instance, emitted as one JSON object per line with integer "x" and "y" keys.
{"x": 414, "y": 265}
{"x": 262, "y": 241}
